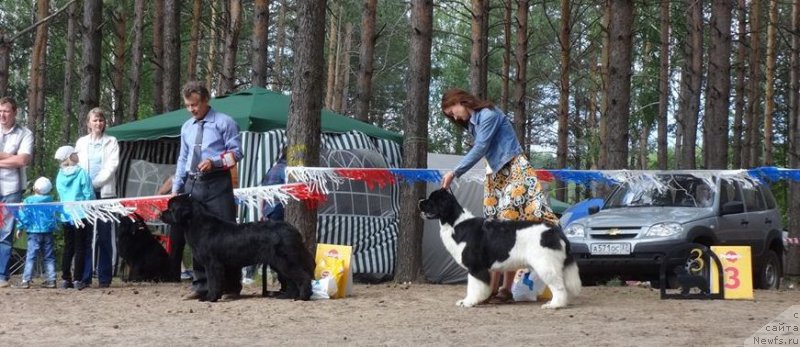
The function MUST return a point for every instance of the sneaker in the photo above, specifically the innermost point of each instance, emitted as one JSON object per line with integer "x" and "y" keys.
{"x": 65, "y": 284}
{"x": 49, "y": 284}
{"x": 103, "y": 285}
{"x": 4, "y": 284}
{"x": 23, "y": 285}
{"x": 186, "y": 275}
{"x": 79, "y": 285}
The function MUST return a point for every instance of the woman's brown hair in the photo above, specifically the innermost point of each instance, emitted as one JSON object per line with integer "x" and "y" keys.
{"x": 457, "y": 96}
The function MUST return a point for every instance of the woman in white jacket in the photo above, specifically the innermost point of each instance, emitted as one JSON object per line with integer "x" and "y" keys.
{"x": 98, "y": 154}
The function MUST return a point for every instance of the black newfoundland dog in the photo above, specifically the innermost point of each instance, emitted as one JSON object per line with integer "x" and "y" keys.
{"x": 147, "y": 259}
{"x": 224, "y": 246}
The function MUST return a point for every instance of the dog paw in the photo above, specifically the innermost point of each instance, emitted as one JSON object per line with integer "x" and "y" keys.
{"x": 465, "y": 303}
{"x": 551, "y": 306}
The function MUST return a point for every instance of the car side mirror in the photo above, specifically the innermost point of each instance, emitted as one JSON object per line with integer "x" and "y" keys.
{"x": 732, "y": 207}
{"x": 594, "y": 209}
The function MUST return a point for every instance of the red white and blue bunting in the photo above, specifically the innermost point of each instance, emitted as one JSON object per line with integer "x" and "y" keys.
{"x": 315, "y": 182}
{"x": 318, "y": 178}
{"x": 149, "y": 207}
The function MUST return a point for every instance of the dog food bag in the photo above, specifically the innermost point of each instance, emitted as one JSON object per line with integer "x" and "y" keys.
{"x": 330, "y": 269}
{"x": 527, "y": 286}
{"x": 334, "y": 261}
{"x": 323, "y": 288}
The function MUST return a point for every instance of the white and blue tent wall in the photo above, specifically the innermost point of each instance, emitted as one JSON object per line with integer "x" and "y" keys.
{"x": 350, "y": 215}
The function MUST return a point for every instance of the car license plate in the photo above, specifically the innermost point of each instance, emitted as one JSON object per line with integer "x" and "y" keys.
{"x": 611, "y": 249}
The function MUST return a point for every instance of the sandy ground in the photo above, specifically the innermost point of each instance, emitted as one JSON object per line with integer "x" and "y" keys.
{"x": 382, "y": 314}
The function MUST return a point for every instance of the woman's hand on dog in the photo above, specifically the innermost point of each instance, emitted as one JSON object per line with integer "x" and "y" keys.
{"x": 447, "y": 179}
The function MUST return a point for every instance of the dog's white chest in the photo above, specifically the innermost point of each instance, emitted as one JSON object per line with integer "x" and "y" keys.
{"x": 455, "y": 249}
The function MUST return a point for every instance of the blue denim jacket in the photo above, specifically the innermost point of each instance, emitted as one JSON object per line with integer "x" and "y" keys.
{"x": 494, "y": 139}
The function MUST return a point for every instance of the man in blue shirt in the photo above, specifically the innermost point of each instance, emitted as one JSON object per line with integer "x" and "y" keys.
{"x": 210, "y": 147}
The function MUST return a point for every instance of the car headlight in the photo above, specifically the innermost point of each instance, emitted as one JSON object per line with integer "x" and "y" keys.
{"x": 574, "y": 230}
{"x": 664, "y": 230}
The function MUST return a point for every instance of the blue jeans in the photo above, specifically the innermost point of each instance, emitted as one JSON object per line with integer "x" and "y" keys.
{"x": 46, "y": 243}
{"x": 103, "y": 247}
{"x": 6, "y": 233}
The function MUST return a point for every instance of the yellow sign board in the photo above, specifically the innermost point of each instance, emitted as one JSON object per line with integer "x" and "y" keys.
{"x": 334, "y": 260}
{"x": 738, "y": 269}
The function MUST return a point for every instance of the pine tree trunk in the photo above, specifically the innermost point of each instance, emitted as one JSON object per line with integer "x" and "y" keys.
{"x": 260, "y": 42}
{"x": 739, "y": 104}
{"x": 769, "y": 82}
{"x": 5, "y": 60}
{"x": 69, "y": 61}
{"x": 663, "y": 88}
{"x": 158, "y": 57}
{"x": 36, "y": 81}
{"x": 563, "y": 97}
{"x": 194, "y": 41}
{"x": 90, "y": 65}
{"x": 120, "y": 42}
{"x": 343, "y": 71}
{"x": 172, "y": 55}
{"x": 592, "y": 128}
{"x": 280, "y": 38}
{"x": 577, "y": 126}
{"x": 212, "y": 49}
{"x": 602, "y": 131}
{"x": 485, "y": 49}
{"x": 506, "y": 69}
{"x": 793, "y": 256}
{"x": 37, "y": 68}
{"x": 619, "y": 82}
{"x": 415, "y": 154}
{"x": 691, "y": 81}
{"x": 303, "y": 125}
{"x": 343, "y": 94}
{"x": 366, "y": 58}
{"x": 718, "y": 92}
{"x": 136, "y": 60}
{"x": 477, "y": 63}
{"x": 521, "y": 79}
{"x": 333, "y": 55}
{"x": 750, "y": 148}
{"x": 228, "y": 80}
{"x": 643, "y": 150}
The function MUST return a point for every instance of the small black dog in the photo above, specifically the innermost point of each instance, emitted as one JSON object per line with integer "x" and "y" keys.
{"x": 147, "y": 259}
{"x": 224, "y": 246}
{"x": 687, "y": 281}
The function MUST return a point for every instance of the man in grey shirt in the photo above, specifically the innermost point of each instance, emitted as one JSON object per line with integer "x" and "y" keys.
{"x": 16, "y": 150}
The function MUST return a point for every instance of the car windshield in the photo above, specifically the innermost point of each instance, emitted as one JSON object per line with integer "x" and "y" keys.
{"x": 664, "y": 190}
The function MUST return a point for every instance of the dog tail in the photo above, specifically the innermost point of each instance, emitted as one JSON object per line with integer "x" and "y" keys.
{"x": 572, "y": 277}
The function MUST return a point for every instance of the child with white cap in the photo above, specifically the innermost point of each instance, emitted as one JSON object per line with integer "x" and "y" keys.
{"x": 73, "y": 184}
{"x": 40, "y": 225}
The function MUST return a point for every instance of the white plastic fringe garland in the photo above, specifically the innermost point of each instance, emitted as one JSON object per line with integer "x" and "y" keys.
{"x": 319, "y": 177}
{"x": 272, "y": 194}
{"x": 90, "y": 211}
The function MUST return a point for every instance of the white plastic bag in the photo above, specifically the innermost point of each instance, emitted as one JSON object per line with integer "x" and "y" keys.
{"x": 527, "y": 286}
{"x": 323, "y": 288}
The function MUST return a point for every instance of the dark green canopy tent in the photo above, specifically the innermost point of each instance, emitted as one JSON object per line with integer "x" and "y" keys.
{"x": 255, "y": 109}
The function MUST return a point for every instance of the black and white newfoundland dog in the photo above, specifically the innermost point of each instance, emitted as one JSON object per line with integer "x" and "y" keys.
{"x": 481, "y": 245}
{"x": 223, "y": 246}
{"x": 146, "y": 258}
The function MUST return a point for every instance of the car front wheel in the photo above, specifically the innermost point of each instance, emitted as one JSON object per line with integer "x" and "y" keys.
{"x": 769, "y": 276}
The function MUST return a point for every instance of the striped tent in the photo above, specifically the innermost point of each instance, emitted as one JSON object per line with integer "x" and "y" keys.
{"x": 373, "y": 237}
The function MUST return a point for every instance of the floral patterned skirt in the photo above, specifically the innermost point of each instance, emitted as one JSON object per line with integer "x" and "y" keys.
{"x": 514, "y": 193}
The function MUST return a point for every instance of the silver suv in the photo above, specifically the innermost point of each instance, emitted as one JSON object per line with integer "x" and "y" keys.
{"x": 640, "y": 222}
